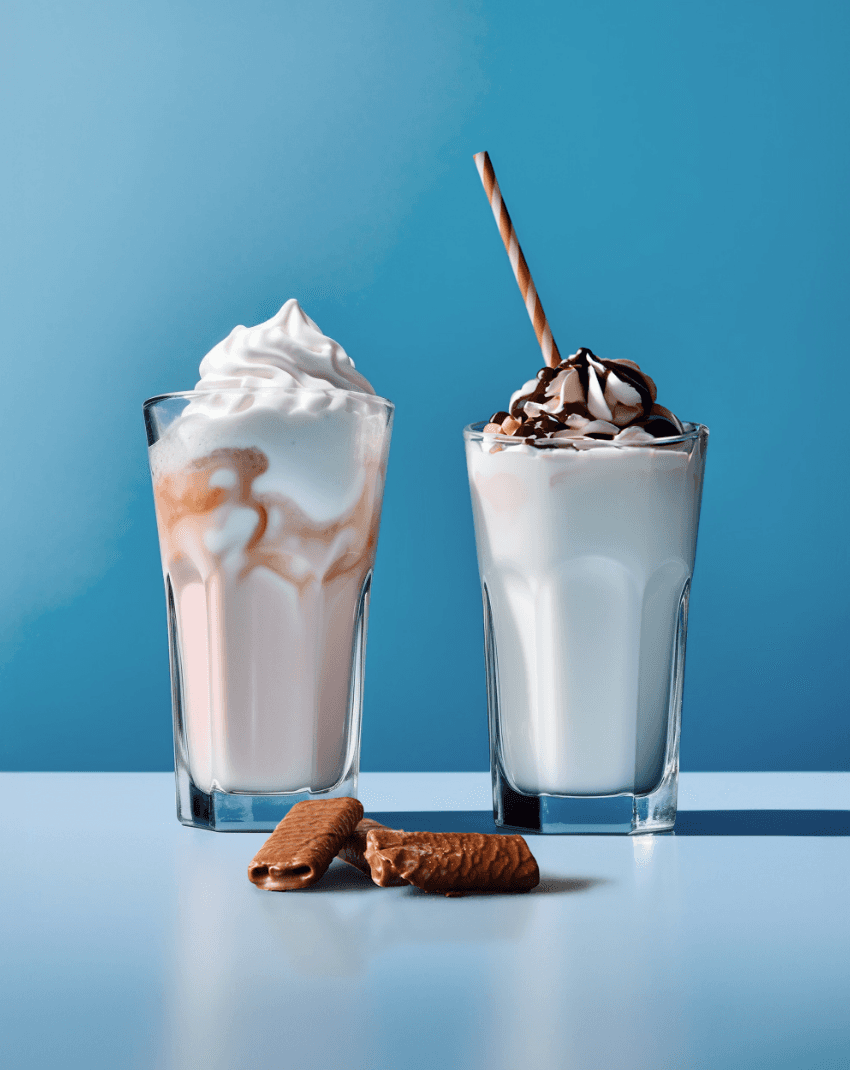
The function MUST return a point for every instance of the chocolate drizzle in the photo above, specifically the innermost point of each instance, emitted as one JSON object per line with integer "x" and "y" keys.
{"x": 586, "y": 396}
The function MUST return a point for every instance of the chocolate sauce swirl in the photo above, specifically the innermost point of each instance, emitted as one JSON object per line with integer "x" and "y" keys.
{"x": 586, "y": 396}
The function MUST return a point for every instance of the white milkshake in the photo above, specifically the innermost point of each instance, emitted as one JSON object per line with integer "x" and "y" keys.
{"x": 268, "y": 488}
{"x": 586, "y": 498}
{"x": 585, "y": 556}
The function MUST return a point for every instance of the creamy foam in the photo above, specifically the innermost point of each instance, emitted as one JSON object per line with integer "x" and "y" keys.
{"x": 285, "y": 367}
{"x": 287, "y": 350}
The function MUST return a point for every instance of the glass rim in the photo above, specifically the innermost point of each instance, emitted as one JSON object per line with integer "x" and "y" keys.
{"x": 474, "y": 433}
{"x": 192, "y": 395}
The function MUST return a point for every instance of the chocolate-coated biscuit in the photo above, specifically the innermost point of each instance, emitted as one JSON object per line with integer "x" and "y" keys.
{"x": 303, "y": 845}
{"x": 451, "y": 862}
{"x": 353, "y": 851}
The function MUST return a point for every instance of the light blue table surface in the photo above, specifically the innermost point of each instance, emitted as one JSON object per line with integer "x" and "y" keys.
{"x": 132, "y": 942}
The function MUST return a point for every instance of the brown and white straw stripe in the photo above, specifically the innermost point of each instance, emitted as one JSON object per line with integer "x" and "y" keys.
{"x": 523, "y": 276}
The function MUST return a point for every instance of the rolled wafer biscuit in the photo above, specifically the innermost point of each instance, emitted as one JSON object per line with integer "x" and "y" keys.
{"x": 353, "y": 851}
{"x": 452, "y": 862}
{"x": 303, "y": 845}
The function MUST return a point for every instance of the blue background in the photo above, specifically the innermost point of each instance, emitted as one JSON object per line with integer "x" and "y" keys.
{"x": 678, "y": 177}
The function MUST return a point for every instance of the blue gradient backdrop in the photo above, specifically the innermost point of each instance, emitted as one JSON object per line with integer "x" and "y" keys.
{"x": 678, "y": 175}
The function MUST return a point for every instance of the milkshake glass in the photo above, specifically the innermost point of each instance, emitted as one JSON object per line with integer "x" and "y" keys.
{"x": 267, "y": 550}
{"x": 586, "y": 552}
{"x": 268, "y": 480}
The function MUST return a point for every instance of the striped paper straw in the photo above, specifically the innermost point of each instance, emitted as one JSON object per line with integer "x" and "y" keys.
{"x": 523, "y": 276}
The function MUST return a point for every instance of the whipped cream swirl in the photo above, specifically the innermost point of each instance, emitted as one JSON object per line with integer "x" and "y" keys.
{"x": 289, "y": 350}
{"x": 586, "y": 396}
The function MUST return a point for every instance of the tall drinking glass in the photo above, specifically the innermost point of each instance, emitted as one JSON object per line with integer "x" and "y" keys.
{"x": 268, "y": 503}
{"x": 586, "y": 552}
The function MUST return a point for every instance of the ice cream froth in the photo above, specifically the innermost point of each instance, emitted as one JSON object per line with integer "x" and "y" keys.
{"x": 287, "y": 350}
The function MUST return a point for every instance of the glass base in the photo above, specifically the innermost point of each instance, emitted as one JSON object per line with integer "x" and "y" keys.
{"x": 630, "y": 815}
{"x": 221, "y": 811}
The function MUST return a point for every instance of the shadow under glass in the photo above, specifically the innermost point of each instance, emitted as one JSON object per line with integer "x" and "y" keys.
{"x": 688, "y": 822}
